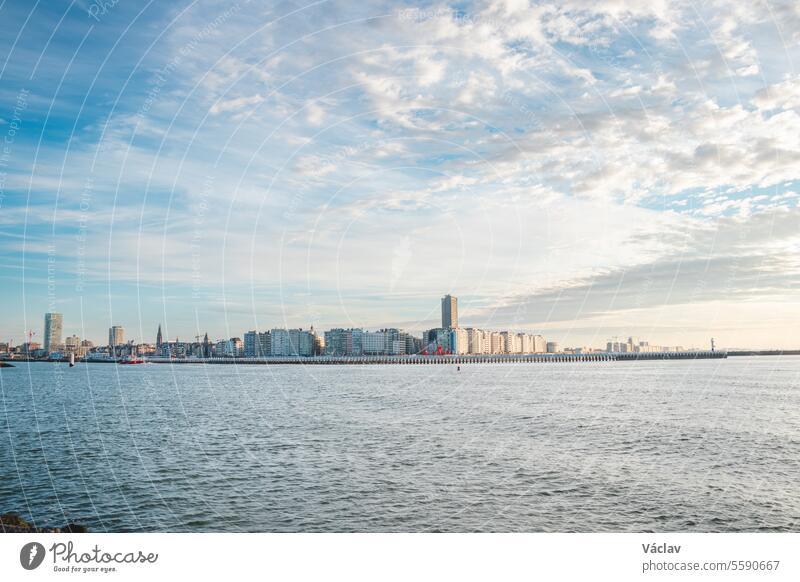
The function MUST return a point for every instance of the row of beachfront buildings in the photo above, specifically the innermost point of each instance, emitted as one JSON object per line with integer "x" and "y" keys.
{"x": 449, "y": 338}
{"x": 354, "y": 342}
{"x": 390, "y": 342}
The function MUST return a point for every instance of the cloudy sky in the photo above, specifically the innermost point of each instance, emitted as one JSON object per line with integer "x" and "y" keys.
{"x": 579, "y": 169}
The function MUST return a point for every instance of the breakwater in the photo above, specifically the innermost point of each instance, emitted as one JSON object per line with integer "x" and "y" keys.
{"x": 451, "y": 359}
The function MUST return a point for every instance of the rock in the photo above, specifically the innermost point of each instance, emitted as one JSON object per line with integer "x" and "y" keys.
{"x": 12, "y": 520}
{"x": 12, "y": 523}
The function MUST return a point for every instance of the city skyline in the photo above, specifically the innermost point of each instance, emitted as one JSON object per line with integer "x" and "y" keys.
{"x": 449, "y": 339}
{"x": 464, "y": 335}
{"x": 563, "y": 168}
{"x": 597, "y": 338}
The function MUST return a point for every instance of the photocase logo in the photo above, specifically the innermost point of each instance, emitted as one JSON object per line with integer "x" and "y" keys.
{"x": 31, "y": 555}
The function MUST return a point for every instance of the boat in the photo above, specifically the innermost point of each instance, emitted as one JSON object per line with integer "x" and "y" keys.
{"x": 99, "y": 357}
{"x": 131, "y": 360}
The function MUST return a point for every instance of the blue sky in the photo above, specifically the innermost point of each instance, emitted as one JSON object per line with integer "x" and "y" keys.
{"x": 578, "y": 169}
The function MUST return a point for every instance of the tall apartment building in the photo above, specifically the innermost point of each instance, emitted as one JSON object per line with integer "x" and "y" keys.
{"x": 413, "y": 344}
{"x": 116, "y": 336}
{"x": 390, "y": 342}
{"x": 398, "y": 346}
{"x": 319, "y": 344}
{"x": 282, "y": 344}
{"x": 374, "y": 343}
{"x": 459, "y": 341}
{"x": 438, "y": 340}
{"x": 53, "y": 323}
{"x": 344, "y": 342}
{"x": 497, "y": 346}
{"x": 250, "y": 344}
{"x": 264, "y": 345}
{"x": 511, "y": 342}
{"x": 475, "y": 340}
{"x": 449, "y": 312}
{"x": 292, "y": 342}
{"x": 233, "y": 348}
{"x": 305, "y": 342}
{"x": 257, "y": 345}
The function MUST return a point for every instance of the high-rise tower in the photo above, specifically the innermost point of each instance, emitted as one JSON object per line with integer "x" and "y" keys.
{"x": 449, "y": 312}
{"x": 53, "y": 323}
{"x": 116, "y": 336}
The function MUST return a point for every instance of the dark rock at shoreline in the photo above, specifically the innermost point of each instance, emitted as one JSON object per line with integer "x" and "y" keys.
{"x": 13, "y": 523}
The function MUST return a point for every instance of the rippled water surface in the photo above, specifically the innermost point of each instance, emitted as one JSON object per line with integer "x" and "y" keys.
{"x": 711, "y": 445}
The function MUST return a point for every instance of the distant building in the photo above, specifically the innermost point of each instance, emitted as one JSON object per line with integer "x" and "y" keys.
{"x": 250, "y": 344}
{"x": 496, "y": 344}
{"x": 449, "y": 312}
{"x": 264, "y": 345}
{"x": 29, "y": 348}
{"x": 53, "y": 323}
{"x": 511, "y": 343}
{"x": 374, "y": 343}
{"x": 308, "y": 343}
{"x": 219, "y": 348}
{"x": 398, "y": 346}
{"x": 389, "y": 341}
{"x": 633, "y": 345}
{"x": 553, "y": 348}
{"x": 176, "y": 349}
{"x": 413, "y": 344}
{"x": 292, "y": 342}
{"x": 233, "y": 348}
{"x": 73, "y": 345}
{"x": 459, "y": 341}
{"x": 159, "y": 337}
{"x": 281, "y": 344}
{"x": 344, "y": 342}
{"x": 475, "y": 340}
{"x": 116, "y": 336}
{"x": 319, "y": 344}
{"x": 438, "y": 340}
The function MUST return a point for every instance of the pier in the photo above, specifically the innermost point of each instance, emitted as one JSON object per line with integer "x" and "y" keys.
{"x": 462, "y": 359}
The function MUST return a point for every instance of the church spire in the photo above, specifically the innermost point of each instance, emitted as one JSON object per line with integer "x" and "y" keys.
{"x": 159, "y": 337}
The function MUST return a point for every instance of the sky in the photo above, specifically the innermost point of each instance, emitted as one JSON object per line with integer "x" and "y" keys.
{"x": 579, "y": 169}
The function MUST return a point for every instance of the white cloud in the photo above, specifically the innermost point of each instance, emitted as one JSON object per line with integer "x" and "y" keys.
{"x": 235, "y": 104}
{"x": 783, "y": 95}
{"x": 541, "y": 147}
